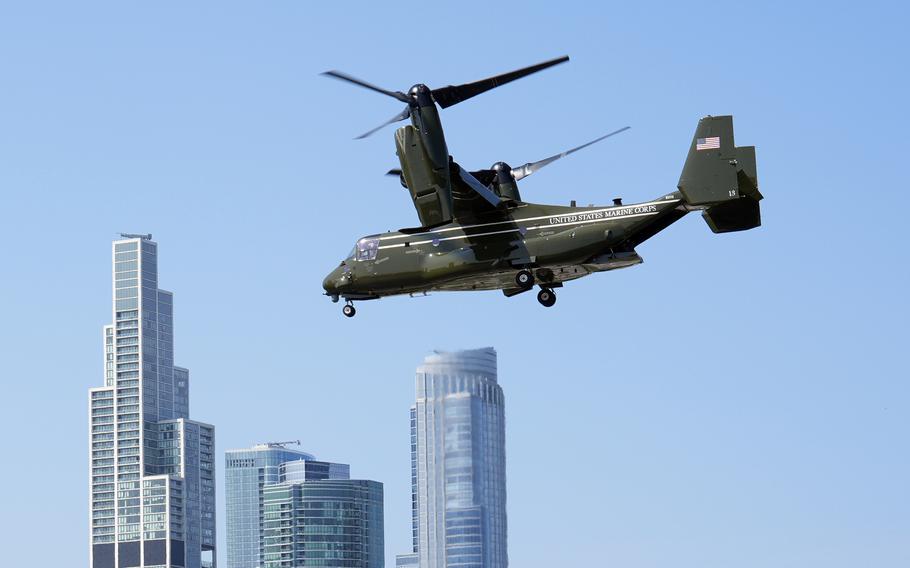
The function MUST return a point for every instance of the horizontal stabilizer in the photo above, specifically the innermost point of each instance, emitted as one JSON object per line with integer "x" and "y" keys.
{"x": 728, "y": 216}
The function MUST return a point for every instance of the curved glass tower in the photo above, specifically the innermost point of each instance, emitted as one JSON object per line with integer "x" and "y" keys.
{"x": 458, "y": 463}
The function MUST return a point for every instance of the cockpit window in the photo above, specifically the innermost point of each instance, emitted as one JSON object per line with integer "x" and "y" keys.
{"x": 366, "y": 249}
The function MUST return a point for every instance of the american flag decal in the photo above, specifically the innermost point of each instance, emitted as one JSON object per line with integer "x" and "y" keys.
{"x": 712, "y": 143}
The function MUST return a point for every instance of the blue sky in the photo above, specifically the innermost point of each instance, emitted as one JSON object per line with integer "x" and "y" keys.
{"x": 738, "y": 399}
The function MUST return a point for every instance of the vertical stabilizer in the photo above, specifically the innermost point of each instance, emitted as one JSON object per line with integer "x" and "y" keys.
{"x": 721, "y": 178}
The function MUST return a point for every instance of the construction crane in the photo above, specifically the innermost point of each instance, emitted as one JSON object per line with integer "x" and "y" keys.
{"x": 279, "y": 444}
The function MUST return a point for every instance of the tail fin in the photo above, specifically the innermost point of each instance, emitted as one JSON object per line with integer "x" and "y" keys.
{"x": 721, "y": 178}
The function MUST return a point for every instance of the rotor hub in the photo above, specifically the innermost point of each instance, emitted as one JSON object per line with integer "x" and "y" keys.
{"x": 421, "y": 94}
{"x": 503, "y": 172}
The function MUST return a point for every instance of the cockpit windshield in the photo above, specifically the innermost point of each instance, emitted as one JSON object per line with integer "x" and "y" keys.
{"x": 366, "y": 249}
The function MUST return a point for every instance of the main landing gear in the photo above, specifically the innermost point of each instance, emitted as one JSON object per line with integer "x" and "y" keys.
{"x": 348, "y": 310}
{"x": 524, "y": 279}
{"x": 546, "y": 297}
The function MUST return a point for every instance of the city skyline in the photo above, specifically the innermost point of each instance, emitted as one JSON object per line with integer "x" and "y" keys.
{"x": 164, "y": 478}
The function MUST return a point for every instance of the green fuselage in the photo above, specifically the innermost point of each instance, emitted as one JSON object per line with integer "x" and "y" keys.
{"x": 477, "y": 233}
{"x": 557, "y": 243}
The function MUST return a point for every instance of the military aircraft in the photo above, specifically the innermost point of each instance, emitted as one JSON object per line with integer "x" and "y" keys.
{"x": 477, "y": 233}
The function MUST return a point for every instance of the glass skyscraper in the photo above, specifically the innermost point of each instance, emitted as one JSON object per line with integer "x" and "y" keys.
{"x": 458, "y": 464}
{"x": 246, "y": 472}
{"x": 285, "y": 509}
{"x": 152, "y": 469}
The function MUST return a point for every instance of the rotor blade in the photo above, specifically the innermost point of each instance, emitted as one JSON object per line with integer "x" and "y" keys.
{"x": 478, "y": 187}
{"x": 531, "y": 167}
{"x": 400, "y": 116}
{"x": 345, "y": 77}
{"x": 393, "y": 172}
{"x": 454, "y": 94}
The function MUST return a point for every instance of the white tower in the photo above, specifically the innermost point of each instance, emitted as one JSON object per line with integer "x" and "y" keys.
{"x": 458, "y": 463}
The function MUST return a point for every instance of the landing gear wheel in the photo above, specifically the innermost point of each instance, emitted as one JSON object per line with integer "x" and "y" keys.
{"x": 546, "y": 297}
{"x": 348, "y": 310}
{"x": 524, "y": 279}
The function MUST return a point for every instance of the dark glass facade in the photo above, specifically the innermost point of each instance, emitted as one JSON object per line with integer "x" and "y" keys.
{"x": 246, "y": 472}
{"x": 329, "y": 523}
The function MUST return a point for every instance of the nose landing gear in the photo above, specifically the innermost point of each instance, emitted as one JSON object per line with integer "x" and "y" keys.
{"x": 348, "y": 309}
{"x": 546, "y": 297}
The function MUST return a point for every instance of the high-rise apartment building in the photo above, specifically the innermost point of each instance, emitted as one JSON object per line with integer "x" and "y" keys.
{"x": 152, "y": 469}
{"x": 458, "y": 464}
{"x": 287, "y": 510}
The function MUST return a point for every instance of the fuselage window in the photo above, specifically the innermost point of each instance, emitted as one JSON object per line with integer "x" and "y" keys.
{"x": 367, "y": 249}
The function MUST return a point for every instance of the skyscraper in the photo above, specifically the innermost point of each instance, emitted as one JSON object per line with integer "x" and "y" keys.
{"x": 285, "y": 509}
{"x": 246, "y": 472}
{"x": 152, "y": 470}
{"x": 458, "y": 469}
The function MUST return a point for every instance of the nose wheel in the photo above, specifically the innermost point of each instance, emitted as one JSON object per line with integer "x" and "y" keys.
{"x": 348, "y": 310}
{"x": 546, "y": 297}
